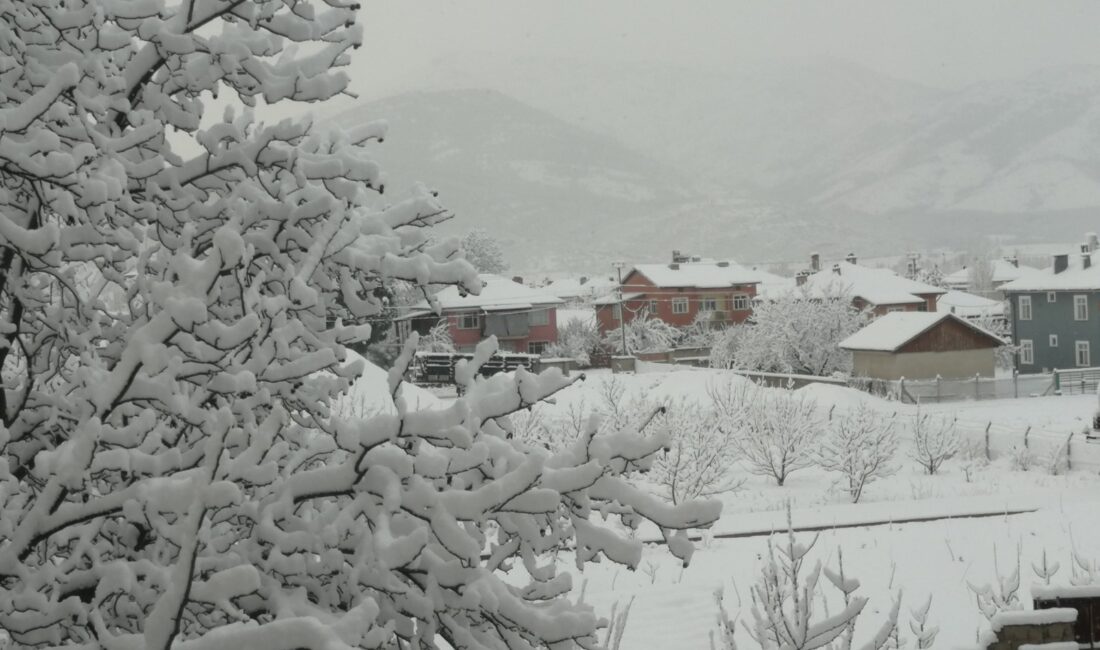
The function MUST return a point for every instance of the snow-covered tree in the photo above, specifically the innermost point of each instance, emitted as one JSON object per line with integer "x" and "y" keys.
{"x": 774, "y": 431}
{"x": 578, "y": 339}
{"x": 643, "y": 334}
{"x": 797, "y": 333}
{"x": 484, "y": 252}
{"x": 438, "y": 338}
{"x": 785, "y": 600}
{"x": 980, "y": 274}
{"x": 935, "y": 441}
{"x": 924, "y": 633}
{"x": 172, "y": 472}
{"x": 860, "y": 445}
{"x": 700, "y": 456}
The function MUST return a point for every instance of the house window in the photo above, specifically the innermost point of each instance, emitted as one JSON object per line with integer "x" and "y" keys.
{"x": 616, "y": 312}
{"x": 708, "y": 304}
{"x": 1080, "y": 308}
{"x": 469, "y": 321}
{"x": 1025, "y": 307}
{"x": 1052, "y": 297}
{"x": 1027, "y": 352}
{"x": 1053, "y": 340}
{"x": 1082, "y": 354}
{"x": 893, "y": 309}
{"x": 537, "y": 347}
{"x": 652, "y": 307}
{"x": 740, "y": 302}
{"x": 679, "y": 305}
{"x": 539, "y": 317}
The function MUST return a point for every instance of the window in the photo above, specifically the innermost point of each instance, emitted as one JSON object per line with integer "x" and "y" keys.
{"x": 1025, "y": 307}
{"x": 679, "y": 305}
{"x": 469, "y": 321}
{"x": 537, "y": 347}
{"x": 740, "y": 302}
{"x": 708, "y": 304}
{"x": 1082, "y": 354}
{"x": 1027, "y": 352}
{"x": 1053, "y": 340}
{"x": 1080, "y": 308}
{"x": 893, "y": 309}
{"x": 539, "y": 317}
{"x": 616, "y": 312}
{"x": 653, "y": 307}
{"x": 1052, "y": 297}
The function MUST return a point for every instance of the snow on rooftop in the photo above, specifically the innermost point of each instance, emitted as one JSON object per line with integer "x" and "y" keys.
{"x": 966, "y": 304}
{"x": 876, "y": 286}
{"x": 498, "y": 293}
{"x": 1069, "y": 280}
{"x": 702, "y": 275}
{"x": 890, "y": 332}
{"x": 1033, "y": 617}
{"x": 573, "y": 288}
{"x": 1003, "y": 271}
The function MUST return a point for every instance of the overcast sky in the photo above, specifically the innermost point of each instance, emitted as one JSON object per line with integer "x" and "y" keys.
{"x": 942, "y": 43}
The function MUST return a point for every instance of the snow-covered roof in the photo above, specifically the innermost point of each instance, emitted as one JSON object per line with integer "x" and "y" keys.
{"x": 966, "y": 304}
{"x": 1003, "y": 271}
{"x": 497, "y": 293}
{"x": 876, "y": 286}
{"x": 1071, "y": 279}
{"x": 613, "y": 299}
{"x": 892, "y": 331}
{"x": 572, "y": 288}
{"x": 700, "y": 275}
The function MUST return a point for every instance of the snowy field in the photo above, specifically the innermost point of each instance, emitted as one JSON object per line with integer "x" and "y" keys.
{"x": 675, "y": 607}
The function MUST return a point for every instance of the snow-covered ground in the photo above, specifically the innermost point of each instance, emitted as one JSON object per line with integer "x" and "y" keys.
{"x": 675, "y": 607}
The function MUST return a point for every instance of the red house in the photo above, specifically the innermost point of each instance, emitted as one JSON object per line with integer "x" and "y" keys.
{"x": 679, "y": 292}
{"x": 523, "y": 319}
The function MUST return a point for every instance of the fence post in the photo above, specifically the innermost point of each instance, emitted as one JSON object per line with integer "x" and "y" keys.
{"x": 1057, "y": 383}
{"x": 988, "y": 453}
{"x": 977, "y": 387}
{"x": 1028, "y": 431}
{"x": 1015, "y": 383}
{"x": 939, "y": 389}
{"x": 901, "y": 389}
{"x": 1069, "y": 453}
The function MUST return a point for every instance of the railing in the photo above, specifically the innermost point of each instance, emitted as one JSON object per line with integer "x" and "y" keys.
{"x": 975, "y": 388}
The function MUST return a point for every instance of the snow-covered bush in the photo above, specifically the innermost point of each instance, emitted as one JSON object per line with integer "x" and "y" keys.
{"x": 577, "y": 339}
{"x": 924, "y": 634}
{"x": 700, "y": 457}
{"x": 483, "y": 251}
{"x": 861, "y": 445}
{"x": 172, "y": 474}
{"x": 774, "y": 431}
{"x": 972, "y": 458}
{"x": 1023, "y": 458}
{"x": 798, "y": 333}
{"x": 1003, "y": 594}
{"x": 643, "y": 334}
{"x": 785, "y": 599}
{"x": 935, "y": 441}
{"x": 438, "y": 338}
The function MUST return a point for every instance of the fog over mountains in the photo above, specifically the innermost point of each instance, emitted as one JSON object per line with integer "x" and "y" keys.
{"x": 573, "y": 165}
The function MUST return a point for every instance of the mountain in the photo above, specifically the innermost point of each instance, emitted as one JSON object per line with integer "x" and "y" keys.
{"x": 763, "y": 161}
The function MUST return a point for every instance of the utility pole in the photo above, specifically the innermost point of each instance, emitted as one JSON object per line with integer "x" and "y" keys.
{"x": 622, "y": 310}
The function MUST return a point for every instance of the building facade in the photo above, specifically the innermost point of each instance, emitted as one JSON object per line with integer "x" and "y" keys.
{"x": 1055, "y": 329}
{"x": 922, "y": 345}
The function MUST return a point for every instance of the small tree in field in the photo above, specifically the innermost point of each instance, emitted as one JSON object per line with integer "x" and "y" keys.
{"x": 484, "y": 252}
{"x": 174, "y": 470}
{"x": 643, "y": 334}
{"x": 577, "y": 339}
{"x": 861, "y": 446}
{"x": 701, "y": 455}
{"x": 935, "y": 441}
{"x": 775, "y": 431}
{"x": 785, "y": 599}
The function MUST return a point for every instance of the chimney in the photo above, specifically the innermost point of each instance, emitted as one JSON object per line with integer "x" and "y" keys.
{"x": 584, "y": 280}
{"x": 815, "y": 262}
{"x": 517, "y": 279}
{"x": 675, "y": 256}
{"x": 1085, "y": 250}
{"x": 801, "y": 278}
{"x": 1061, "y": 263}
{"x": 723, "y": 264}
{"x": 1086, "y": 260}
{"x": 696, "y": 258}
{"x": 1014, "y": 261}
{"x": 675, "y": 266}
{"x": 851, "y": 258}
{"x": 836, "y": 269}
{"x": 1093, "y": 240}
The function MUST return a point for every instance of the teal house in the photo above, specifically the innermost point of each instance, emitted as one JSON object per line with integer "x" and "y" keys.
{"x": 1055, "y": 316}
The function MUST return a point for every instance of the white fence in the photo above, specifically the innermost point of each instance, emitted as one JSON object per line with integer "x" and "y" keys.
{"x": 976, "y": 388}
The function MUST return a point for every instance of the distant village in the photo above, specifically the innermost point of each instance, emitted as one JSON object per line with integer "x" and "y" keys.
{"x": 994, "y": 317}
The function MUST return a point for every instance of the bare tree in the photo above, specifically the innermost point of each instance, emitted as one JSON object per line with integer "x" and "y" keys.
{"x": 1001, "y": 596}
{"x": 935, "y": 441}
{"x": 775, "y": 431}
{"x": 861, "y": 446}
{"x": 925, "y": 634}
{"x": 699, "y": 460}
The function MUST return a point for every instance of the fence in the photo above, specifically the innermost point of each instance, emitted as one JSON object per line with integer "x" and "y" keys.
{"x": 1060, "y": 382}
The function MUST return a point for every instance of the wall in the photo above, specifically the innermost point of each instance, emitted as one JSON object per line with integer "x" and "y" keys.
{"x": 637, "y": 283}
{"x": 1056, "y": 318}
{"x": 923, "y": 365}
{"x": 1011, "y": 637}
{"x": 882, "y": 310}
{"x": 466, "y": 340}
